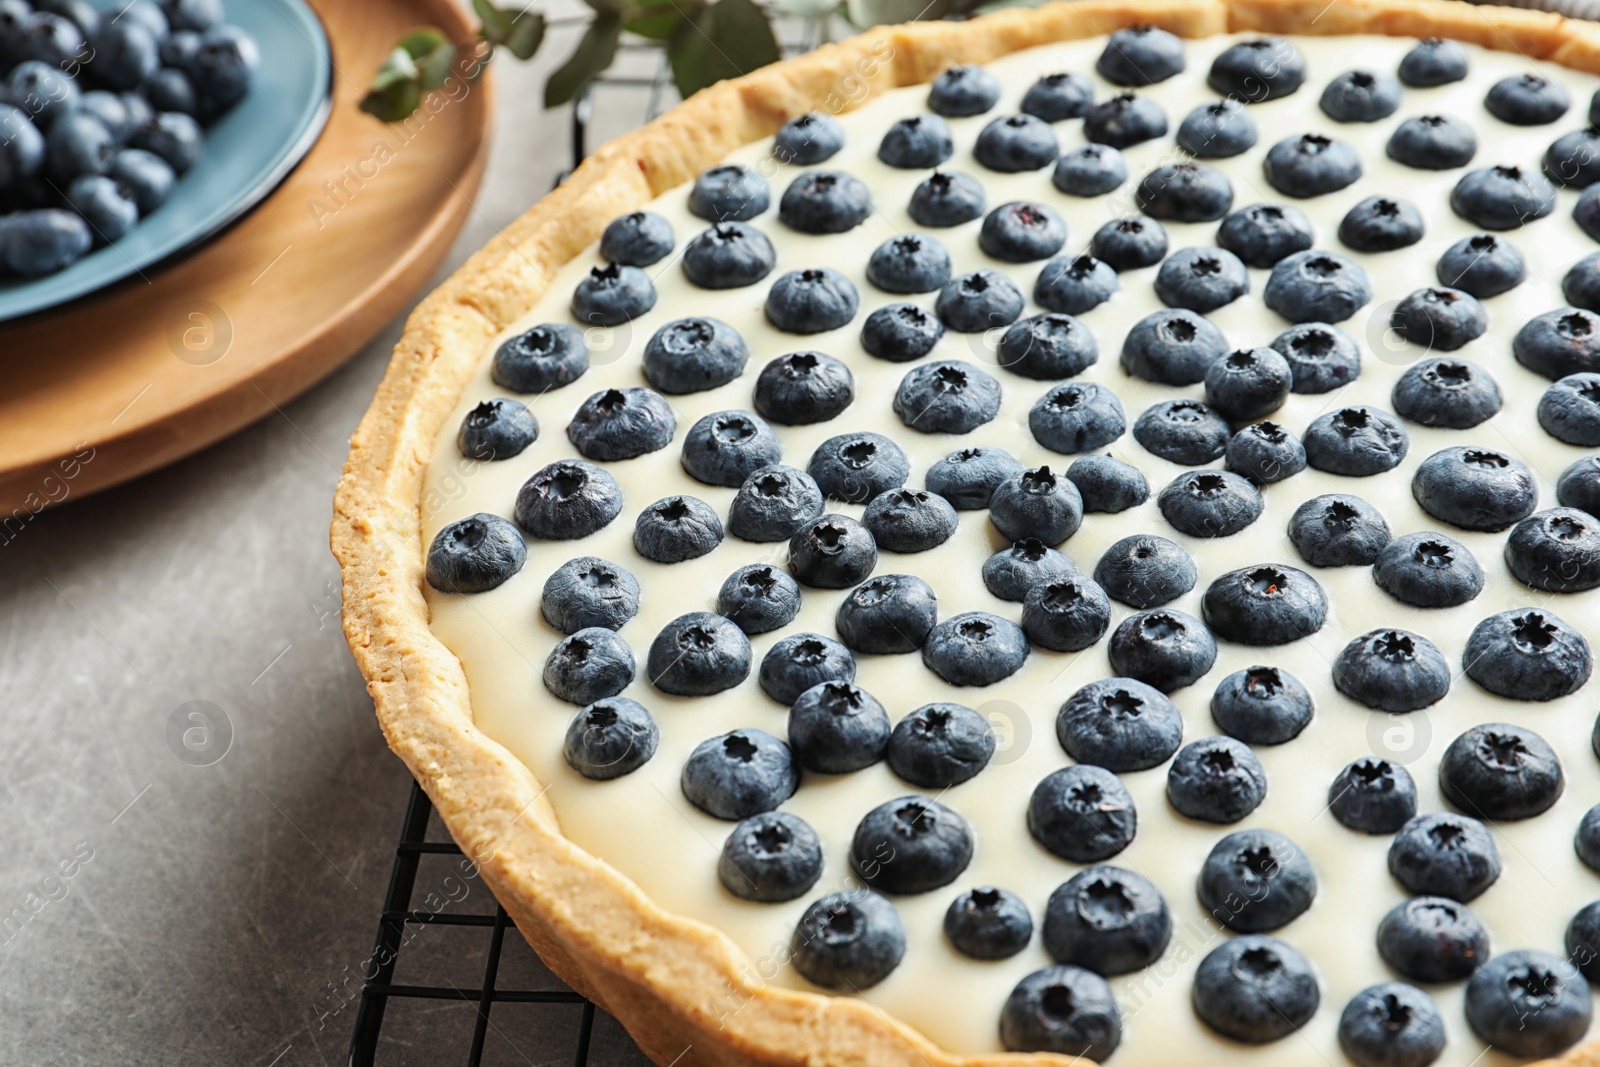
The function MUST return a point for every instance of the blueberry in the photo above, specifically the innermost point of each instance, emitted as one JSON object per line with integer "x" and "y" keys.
{"x": 1529, "y": 1003}
{"x": 916, "y": 143}
{"x": 1067, "y": 613}
{"x": 1216, "y": 779}
{"x": 1381, "y": 224}
{"x": 1439, "y": 318}
{"x": 1444, "y": 855}
{"x": 1257, "y": 71}
{"x": 855, "y": 467}
{"x": 1475, "y": 488}
{"x": 803, "y": 388}
{"x": 1077, "y": 417}
{"x": 963, "y": 91}
{"x": 1433, "y": 61}
{"x": 888, "y": 614}
{"x": 813, "y": 300}
{"x": 900, "y": 333}
{"x": 1121, "y": 724}
{"x": 759, "y": 598}
{"x": 1265, "y": 453}
{"x": 1036, "y": 503}
{"x": 804, "y": 140}
{"x": 1108, "y": 484}
{"x": 1059, "y": 96}
{"x": 1501, "y": 772}
{"x": 621, "y": 424}
{"x": 800, "y": 661}
{"x": 909, "y": 263}
{"x": 223, "y": 69}
{"x": 126, "y": 54}
{"x": 988, "y": 924}
{"x": 1218, "y": 130}
{"x": 1264, "y": 605}
{"x": 1047, "y": 347}
{"x": 1082, "y": 813}
{"x": 729, "y": 255}
{"x": 1374, "y": 796}
{"x": 1571, "y": 159}
{"x": 1254, "y": 881}
{"x": 1184, "y": 192}
{"x": 770, "y": 857}
{"x": 1201, "y": 279}
{"x": 909, "y": 520}
{"x": 1356, "y": 442}
{"x": 1433, "y": 939}
{"x": 1570, "y": 410}
{"x": 696, "y": 655}
{"x": 1248, "y": 383}
{"x": 638, "y": 239}
{"x": 975, "y": 648}
{"x": 1262, "y": 234}
{"x": 173, "y": 136}
{"x": 1064, "y": 1010}
{"x": 1145, "y": 571}
{"x": 1311, "y": 164}
{"x": 1581, "y": 284}
{"x": 1583, "y": 939}
{"x": 1558, "y": 343}
{"x": 22, "y": 150}
{"x": 41, "y": 90}
{"x": 496, "y": 429}
{"x": 1316, "y": 286}
{"x": 1021, "y": 231}
{"x": 938, "y": 746}
{"x": 195, "y": 15}
{"x": 848, "y": 941}
{"x": 946, "y": 198}
{"x": 729, "y": 191}
{"x": 1255, "y": 989}
{"x": 1072, "y": 284}
{"x": 475, "y": 554}
{"x": 1124, "y": 120}
{"x": 1107, "y": 919}
{"x": 1015, "y": 144}
{"x": 1129, "y": 243}
{"x": 910, "y": 845}
{"x": 77, "y": 144}
{"x": 1391, "y": 1024}
{"x": 1182, "y": 431}
{"x": 739, "y": 774}
{"x": 1166, "y": 649}
{"x": 1451, "y": 394}
{"x": 1527, "y": 100}
{"x": 1089, "y": 170}
{"x": 51, "y": 37}
{"x": 1428, "y": 570}
{"x": 1586, "y": 212}
{"x": 589, "y": 591}
{"x": 1011, "y": 572}
{"x": 1140, "y": 55}
{"x": 727, "y": 447}
{"x": 1174, "y": 347}
{"x": 542, "y": 358}
{"x": 1433, "y": 142}
{"x": 675, "y": 529}
{"x": 1503, "y": 198}
{"x": 825, "y": 201}
{"x": 106, "y": 206}
{"x": 590, "y": 665}
{"x": 1360, "y": 96}
{"x": 968, "y": 477}
{"x": 567, "y": 500}
{"x": 832, "y": 552}
{"x": 1338, "y": 530}
{"x": 610, "y": 738}
{"x": 179, "y": 49}
{"x": 1321, "y": 357}
{"x": 773, "y": 503}
{"x": 950, "y": 396}
{"x": 837, "y": 727}
{"x": 110, "y": 108}
{"x": 1392, "y": 670}
{"x": 1261, "y": 706}
{"x": 1579, "y": 485}
{"x": 1556, "y": 551}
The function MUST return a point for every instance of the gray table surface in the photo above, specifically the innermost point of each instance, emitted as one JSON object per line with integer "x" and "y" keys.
{"x": 157, "y": 911}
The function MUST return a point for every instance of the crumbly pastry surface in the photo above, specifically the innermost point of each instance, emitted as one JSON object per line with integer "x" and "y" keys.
{"x": 678, "y": 984}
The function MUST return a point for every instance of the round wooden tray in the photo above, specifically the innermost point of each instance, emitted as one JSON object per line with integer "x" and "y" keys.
{"x": 117, "y": 384}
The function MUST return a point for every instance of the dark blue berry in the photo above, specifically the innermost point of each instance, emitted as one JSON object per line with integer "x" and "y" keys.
{"x": 1201, "y": 279}
{"x": 800, "y": 661}
{"x": 1338, "y": 530}
{"x": 803, "y": 388}
{"x": 1433, "y": 142}
{"x": 1475, "y": 488}
{"x": 963, "y": 91}
{"x": 1082, "y": 813}
{"x": 1077, "y": 417}
{"x": 1262, "y": 706}
{"x": 107, "y": 207}
{"x": 729, "y": 255}
{"x": 1321, "y": 357}
{"x": 43, "y": 241}
{"x": 772, "y": 503}
{"x": 566, "y": 500}
{"x": 1439, "y": 318}
{"x": 1581, "y": 284}
{"x": 916, "y": 143}
{"x": 1073, "y": 284}
{"x": 639, "y": 239}
{"x": 1262, "y": 234}
{"x": 1089, "y": 170}
{"x": 1067, "y": 613}
{"x": 1317, "y": 286}
{"x": 813, "y": 300}
{"x": 1392, "y": 670}
{"x": 1360, "y": 96}
{"x": 676, "y": 529}
{"x": 950, "y": 396}
{"x": 1248, "y": 383}
{"x": 1011, "y": 572}
{"x": 938, "y": 746}
{"x": 612, "y": 295}
{"x": 1428, "y": 570}
{"x": 1174, "y": 347}
{"x": 770, "y": 857}
{"x": 1586, "y": 212}
{"x": 1311, "y": 164}
{"x": 1218, "y": 130}
{"x": 1503, "y": 198}
{"x": 1047, "y": 347}
{"x": 837, "y": 727}
{"x": 946, "y": 198}
{"x": 825, "y": 201}
{"x": 475, "y": 554}
{"x": 729, "y": 191}
{"x": 1036, "y": 503}
{"x": 1256, "y": 880}
{"x": 1356, "y": 442}
{"x": 590, "y": 665}
{"x": 1527, "y": 100}
{"x": 909, "y": 263}
{"x": 1022, "y": 231}
{"x": 1573, "y": 160}
{"x": 1373, "y": 796}
{"x": 622, "y": 423}
{"x": 1057, "y": 97}
{"x": 1500, "y": 772}
{"x": 988, "y": 924}
{"x": 739, "y": 774}
{"x": 497, "y": 429}
{"x": 1016, "y": 143}
{"x": 910, "y": 845}
{"x": 1381, "y": 224}
{"x": 1108, "y": 484}
{"x": 848, "y": 941}
{"x": 832, "y": 552}
{"x": 1129, "y": 243}
{"x": 1558, "y": 343}
{"x": 1166, "y": 649}
{"x": 900, "y": 333}
{"x": 1391, "y": 1024}
{"x": 1579, "y": 485}
{"x": 1525, "y": 654}
{"x": 1140, "y": 55}
{"x": 1120, "y": 724}
{"x": 804, "y": 140}
{"x": 855, "y": 467}
{"x": 693, "y": 355}
{"x": 1146, "y": 571}
{"x": 1182, "y": 431}
{"x": 77, "y": 144}
{"x": 975, "y": 648}
{"x": 696, "y": 655}
{"x": 979, "y": 300}
{"x": 1269, "y": 604}
{"x": 1451, "y": 394}
{"x": 1069, "y": 1011}
{"x": 889, "y": 614}
{"x": 1184, "y": 192}
{"x": 909, "y": 520}
{"x": 1216, "y": 779}
{"x": 1108, "y": 919}
{"x": 1124, "y": 120}
{"x": 610, "y": 738}
{"x": 1265, "y": 453}
{"x": 968, "y": 477}
{"x": 1583, "y": 940}
{"x": 1432, "y": 939}
{"x": 759, "y": 598}
{"x": 1255, "y": 990}
{"x": 589, "y": 591}
{"x": 1433, "y": 61}
{"x": 726, "y": 447}
{"x": 1529, "y": 1004}
{"x": 1257, "y": 71}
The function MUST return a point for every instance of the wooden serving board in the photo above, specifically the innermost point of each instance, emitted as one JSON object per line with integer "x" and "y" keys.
{"x": 107, "y": 388}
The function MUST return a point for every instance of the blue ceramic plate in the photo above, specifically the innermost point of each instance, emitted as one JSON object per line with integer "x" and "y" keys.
{"x": 247, "y": 153}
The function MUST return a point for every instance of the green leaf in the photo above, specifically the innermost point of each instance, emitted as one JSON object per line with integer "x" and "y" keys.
{"x": 397, "y": 66}
{"x": 525, "y": 34}
{"x": 726, "y": 39}
{"x": 394, "y": 101}
{"x": 657, "y": 21}
{"x": 422, "y": 41}
{"x": 496, "y": 23}
{"x": 593, "y": 55}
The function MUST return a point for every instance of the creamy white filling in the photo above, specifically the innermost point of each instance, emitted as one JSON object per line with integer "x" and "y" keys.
{"x": 642, "y": 825}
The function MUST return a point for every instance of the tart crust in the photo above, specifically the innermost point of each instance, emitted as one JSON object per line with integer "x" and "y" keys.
{"x": 682, "y": 989}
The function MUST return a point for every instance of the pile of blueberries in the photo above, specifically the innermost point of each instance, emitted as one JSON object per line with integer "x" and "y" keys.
{"x": 1105, "y": 920}
{"x": 100, "y": 111}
